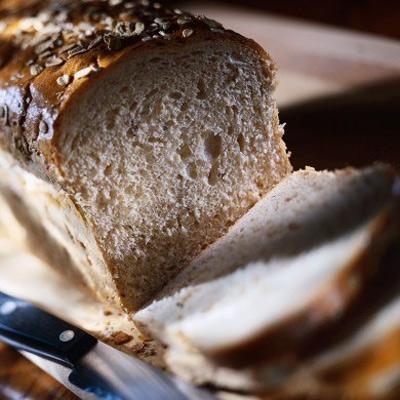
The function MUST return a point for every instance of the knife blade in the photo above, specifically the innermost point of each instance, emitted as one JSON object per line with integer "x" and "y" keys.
{"x": 89, "y": 368}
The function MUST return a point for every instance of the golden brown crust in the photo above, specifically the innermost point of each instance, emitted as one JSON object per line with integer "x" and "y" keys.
{"x": 51, "y": 50}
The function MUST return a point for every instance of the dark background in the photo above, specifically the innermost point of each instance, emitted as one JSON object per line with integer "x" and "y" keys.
{"x": 379, "y": 17}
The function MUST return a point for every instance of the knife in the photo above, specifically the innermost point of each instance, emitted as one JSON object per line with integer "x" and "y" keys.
{"x": 89, "y": 368}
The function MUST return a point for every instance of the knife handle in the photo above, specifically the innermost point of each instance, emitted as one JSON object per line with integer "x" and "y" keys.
{"x": 27, "y": 328}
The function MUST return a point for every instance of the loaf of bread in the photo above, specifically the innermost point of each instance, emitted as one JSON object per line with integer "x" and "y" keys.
{"x": 286, "y": 271}
{"x": 134, "y": 140}
{"x": 132, "y": 137}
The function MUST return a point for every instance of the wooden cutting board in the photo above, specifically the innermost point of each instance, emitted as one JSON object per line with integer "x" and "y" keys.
{"x": 338, "y": 92}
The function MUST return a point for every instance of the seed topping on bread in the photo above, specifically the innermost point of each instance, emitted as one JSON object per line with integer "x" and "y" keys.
{"x": 55, "y": 35}
{"x": 54, "y": 44}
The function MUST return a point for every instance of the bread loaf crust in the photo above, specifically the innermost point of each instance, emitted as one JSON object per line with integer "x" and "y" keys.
{"x": 51, "y": 52}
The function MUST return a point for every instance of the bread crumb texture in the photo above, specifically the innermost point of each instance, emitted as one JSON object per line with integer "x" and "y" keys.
{"x": 158, "y": 127}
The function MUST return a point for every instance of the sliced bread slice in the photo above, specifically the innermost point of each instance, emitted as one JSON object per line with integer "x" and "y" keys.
{"x": 364, "y": 366}
{"x": 291, "y": 265}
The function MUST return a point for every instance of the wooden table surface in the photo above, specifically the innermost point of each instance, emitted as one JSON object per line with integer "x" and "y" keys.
{"x": 338, "y": 90}
{"x": 19, "y": 379}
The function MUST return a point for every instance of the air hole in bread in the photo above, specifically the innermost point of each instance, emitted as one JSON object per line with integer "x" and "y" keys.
{"x": 133, "y": 105}
{"x": 241, "y": 142}
{"x": 184, "y": 107}
{"x": 260, "y": 184}
{"x": 108, "y": 170}
{"x": 130, "y": 133}
{"x": 201, "y": 90}
{"x": 213, "y": 175}
{"x": 213, "y": 146}
{"x": 192, "y": 170}
{"x": 185, "y": 152}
